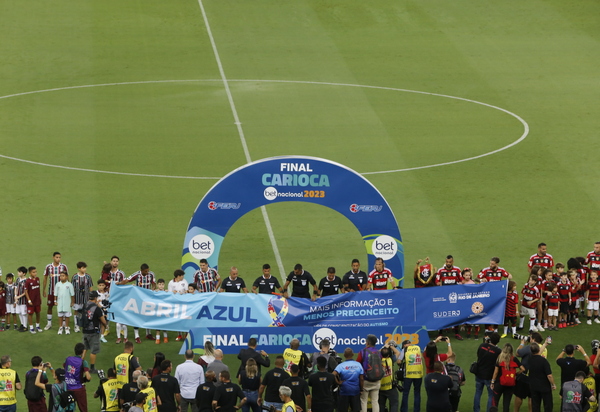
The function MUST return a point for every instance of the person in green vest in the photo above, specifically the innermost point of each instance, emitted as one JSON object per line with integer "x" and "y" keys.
{"x": 9, "y": 385}
{"x": 412, "y": 358}
{"x": 108, "y": 392}
{"x": 285, "y": 394}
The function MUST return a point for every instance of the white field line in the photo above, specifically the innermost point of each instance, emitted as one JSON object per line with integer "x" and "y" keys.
{"x": 519, "y": 140}
{"x": 242, "y": 138}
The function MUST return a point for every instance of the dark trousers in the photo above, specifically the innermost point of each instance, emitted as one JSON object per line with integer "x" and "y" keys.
{"x": 392, "y": 396}
{"x": 536, "y": 401}
{"x": 352, "y": 402}
{"x": 80, "y": 396}
{"x": 454, "y": 401}
{"x": 408, "y": 382}
{"x": 507, "y": 392}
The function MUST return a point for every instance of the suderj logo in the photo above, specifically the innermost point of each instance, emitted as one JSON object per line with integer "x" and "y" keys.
{"x": 223, "y": 205}
{"x": 354, "y": 208}
{"x": 201, "y": 246}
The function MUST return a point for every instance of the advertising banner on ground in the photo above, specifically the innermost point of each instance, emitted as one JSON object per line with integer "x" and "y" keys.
{"x": 433, "y": 308}
{"x": 293, "y": 179}
{"x": 271, "y": 340}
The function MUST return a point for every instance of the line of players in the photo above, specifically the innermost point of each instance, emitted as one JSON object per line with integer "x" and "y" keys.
{"x": 21, "y": 296}
{"x": 550, "y": 300}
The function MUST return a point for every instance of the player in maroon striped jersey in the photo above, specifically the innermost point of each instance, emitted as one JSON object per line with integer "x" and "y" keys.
{"x": 449, "y": 275}
{"x": 116, "y": 276}
{"x": 82, "y": 286}
{"x": 541, "y": 258}
{"x": 143, "y": 278}
{"x": 34, "y": 299}
{"x": 592, "y": 296}
{"x": 51, "y": 278}
{"x": 493, "y": 272}
{"x": 512, "y": 308}
{"x": 530, "y": 297}
{"x": 20, "y": 298}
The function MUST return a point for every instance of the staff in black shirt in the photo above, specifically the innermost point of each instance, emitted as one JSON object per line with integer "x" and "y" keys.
{"x": 355, "y": 280}
{"x": 322, "y": 387}
{"x": 300, "y": 280}
{"x": 227, "y": 394}
{"x": 330, "y": 284}
{"x": 206, "y": 392}
{"x": 233, "y": 283}
{"x": 267, "y": 283}
{"x": 167, "y": 388}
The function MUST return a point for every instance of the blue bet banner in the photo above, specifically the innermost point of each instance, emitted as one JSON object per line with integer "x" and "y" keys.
{"x": 431, "y": 308}
{"x": 293, "y": 179}
{"x": 271, "y": 340}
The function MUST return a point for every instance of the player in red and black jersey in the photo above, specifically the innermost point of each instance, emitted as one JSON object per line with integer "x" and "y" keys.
{"x": 530, "y": 296}
{"x": 380, "y": 276}
{"x": 592, "y": 259}
{"x": 576, "y": 285}
{"x": 544, "y": 287}
{"x": 564, "y": 291}
{"x": 592, "y": 296}
{"x": 512, "y": 307}
{"x": 541, "y": 258}
{"x": 493, "y": 272}
{"x": 449, "y": 275}
{"x": 553, "y": 302}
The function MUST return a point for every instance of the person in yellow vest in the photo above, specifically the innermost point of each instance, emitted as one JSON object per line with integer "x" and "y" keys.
{"x": 388, "y": 391}
{"x": 294, "y": 356}
{"x": 412, "y": 358}
{"x": 152, "y": 400}
{"x": 126, "y": 363}
{"x": 285, "y": 394}
{"x": 108, "y": 392}
{"x": 9, "y": 385}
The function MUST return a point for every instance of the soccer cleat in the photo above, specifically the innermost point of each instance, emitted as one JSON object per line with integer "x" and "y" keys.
{"x": 178, "y": 338}
{"x": 533, "y": 329}
{"x": 7, "y": 327}
{"x": 61, "y": 330}
{"x": 595, "y": 321}
{"x": 540, "y": 329}
{"x": 138, "y": 340}
{"x": 93, "y": 370}
{"x": 125, "y": 340}
{"x": 158, "y": 341}
{"x": 476, "y": 336}
{"x": 76, "y": 329}
{"x": 457, "y": 336}
{"x": 48, "y": 326}
{"x": 23, "y": 328}
{"x": 469, "y": 336}
{"x": 31, "y": 330}
{"x": 166, "y": 340}
{"x": 106, "y": 332}
{"x": 589, "y": 322}
{"x": 503, "y": 336}
{"x": 39, "y": 329}
{"x": 118, "y": 341}
{"x": 577, "y": 320}
{"x": 103, "y": 339}
{"x": 67, "y": 330}
{"x": 149, "y": 337}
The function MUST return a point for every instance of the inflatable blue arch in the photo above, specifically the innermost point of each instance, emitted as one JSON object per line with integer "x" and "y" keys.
{"x": 293, "y": 179}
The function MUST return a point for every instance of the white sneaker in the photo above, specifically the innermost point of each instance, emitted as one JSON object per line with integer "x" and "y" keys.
{"x": 103, "y": 339}
{"x": 31, "y": 330}
{"x": 596, "y": 320}
{"x": 76, "y": 329}
{"x": 48, "y": 326}
{"x": 540, "y": 329}
{"x": 533, "y": 329}
{"x": 67, "y": 331}
{"x": 577, "y": 320}
{"x": 589, "y": 322}
{"x": 61, "y": 330}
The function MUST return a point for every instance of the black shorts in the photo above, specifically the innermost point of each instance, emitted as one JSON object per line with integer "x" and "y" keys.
{"x": 522, "y": 387}
{"x": 510, "y": 320}
{"x": 564, "y": 307}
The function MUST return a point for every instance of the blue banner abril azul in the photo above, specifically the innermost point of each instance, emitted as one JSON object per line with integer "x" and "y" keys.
{"x": 297, "y": 179}
{"x": 432, "y": 308}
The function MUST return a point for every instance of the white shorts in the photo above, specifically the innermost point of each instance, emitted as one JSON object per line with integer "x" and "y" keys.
{"x": 10, "y": 308}
{"x": 64, "y": 314}
{"x": 21, "y": 310}
{"x": 552, "y": 312}
{"x": 528, "y": 312}
{"x": 593, "y": 305}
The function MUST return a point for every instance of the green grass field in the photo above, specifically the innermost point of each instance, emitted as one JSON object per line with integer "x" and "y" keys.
{"x": 296, "y": 72}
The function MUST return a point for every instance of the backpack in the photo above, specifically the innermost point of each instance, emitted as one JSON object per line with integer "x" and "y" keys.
{"x": 508, "y": 376}
{"x": 64, "y": 401}
{"x": 457, "y": 375}
{"x": 372, "y": 365}
{"x": 87, "y": 317}
{"x": 32, "y": 392}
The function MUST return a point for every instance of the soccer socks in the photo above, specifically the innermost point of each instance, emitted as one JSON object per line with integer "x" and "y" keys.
{"x": 521, "y": 321}
{"x": 136, "y": 333}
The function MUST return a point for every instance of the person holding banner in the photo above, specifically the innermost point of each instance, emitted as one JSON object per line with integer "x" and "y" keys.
{"x": 143, "y": 278}
{"x": 331, "y": 284}
{"x": 380, "y": 277}
{"x": 355, "y": 280}
{"x": 450, "y": 275}
{"x": 300, "y": 280}
{"x": 267, "y": 284}
{"x": 233, "y": 283}
{"x": 206, "y": 278}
